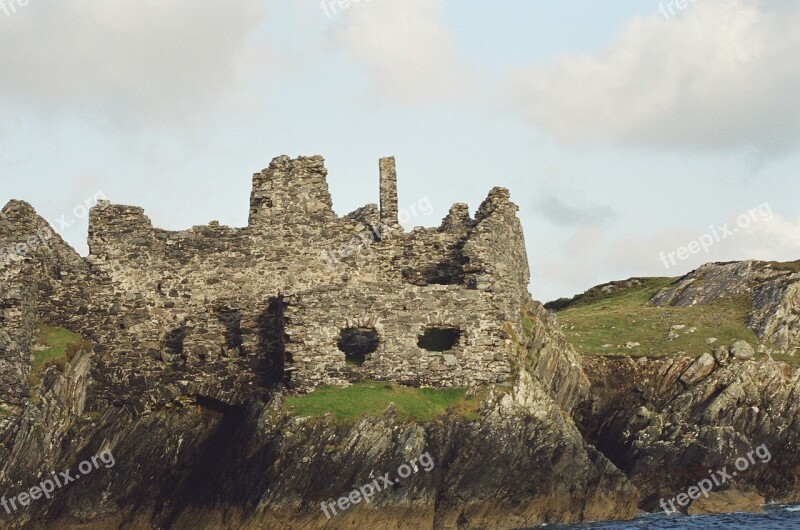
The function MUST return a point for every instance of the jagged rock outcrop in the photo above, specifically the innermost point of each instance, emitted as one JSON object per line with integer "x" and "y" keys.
{"x": 552, "y": 360}
{"x": 726, "y": 502}
{"x": 667, "y": 422}
{"x": 771, "y": 289}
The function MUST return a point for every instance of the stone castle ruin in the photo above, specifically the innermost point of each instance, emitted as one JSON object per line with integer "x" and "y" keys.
{"x": 433, "y": 306}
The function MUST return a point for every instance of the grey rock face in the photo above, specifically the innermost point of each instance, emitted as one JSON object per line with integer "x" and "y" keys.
{"x": 666, "y": 422}
{"x": 742, "y": 351}
{"x": 722, "y": 355}
{"x": 699, "y": 369}
{"x": 776, "y": 313}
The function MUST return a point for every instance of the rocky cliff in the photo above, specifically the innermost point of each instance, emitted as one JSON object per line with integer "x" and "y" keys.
{"x": 199, "y": 463}
{"x": 670, "y": 420}
{"x": 667, "y": 422}
{"x": 212, "y": 442}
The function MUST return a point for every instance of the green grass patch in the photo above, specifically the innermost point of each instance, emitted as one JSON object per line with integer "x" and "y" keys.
{"x": 609, "y": 291}
{"x": 604, "y": 325}
{"x": 59, "y": 343}
{"x": 371, "y": 398}
{"x": 527, "y": 323}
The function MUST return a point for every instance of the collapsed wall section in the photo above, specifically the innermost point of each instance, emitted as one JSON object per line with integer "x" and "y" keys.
{"x": 118, "y": 233}
{"x": 291, "y": 192}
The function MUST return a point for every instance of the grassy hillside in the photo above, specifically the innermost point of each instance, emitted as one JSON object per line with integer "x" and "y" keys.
{"x": 371, "y": 398}
{"x": 602, "y": 324}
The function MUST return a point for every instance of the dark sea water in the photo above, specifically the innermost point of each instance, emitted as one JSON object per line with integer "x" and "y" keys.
{"x": 775, "y": 517}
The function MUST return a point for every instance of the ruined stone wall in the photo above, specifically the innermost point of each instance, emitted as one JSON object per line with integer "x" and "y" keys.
{"x": 388, "y": 191}
{"x": 39, "y": 279}
{"x": 276, "y": 295}
{"x": 17, "y": 328}
{"x": 496, "y": 253}
{"x": 400, "y": 316}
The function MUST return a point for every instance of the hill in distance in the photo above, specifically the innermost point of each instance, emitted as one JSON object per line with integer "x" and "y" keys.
{"x": 717, "y": 304}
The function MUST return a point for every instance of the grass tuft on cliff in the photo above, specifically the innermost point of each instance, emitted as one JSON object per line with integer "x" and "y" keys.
{"x": 604, "y": 323}
{"x": 371, "y": 398}
{"x": 59, "y": 342}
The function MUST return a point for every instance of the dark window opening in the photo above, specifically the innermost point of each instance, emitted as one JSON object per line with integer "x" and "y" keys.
{"x": 174, "y": 340}
{"x": 439, "y": 339}
{"x": 357, "y": 343}
{"x": 232, "y": 320}
{"x": 272, "y": 336}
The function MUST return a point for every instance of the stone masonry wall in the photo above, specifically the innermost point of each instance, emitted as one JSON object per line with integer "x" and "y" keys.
{"x": 17, "y": 327}
{"x": 272, "y": 299}
{"x": 400, "y": 316}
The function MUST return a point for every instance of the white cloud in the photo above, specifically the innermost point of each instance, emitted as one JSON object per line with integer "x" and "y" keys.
{"x": 407, "y": 48}
{"x": 166, "y": 61}
{"x": 722, "y": 75}
{"x": 777, "y": 239}
{"x": 590, "y": 256}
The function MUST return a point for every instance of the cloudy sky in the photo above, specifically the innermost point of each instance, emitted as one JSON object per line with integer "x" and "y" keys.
{"x": 625, "y": 129}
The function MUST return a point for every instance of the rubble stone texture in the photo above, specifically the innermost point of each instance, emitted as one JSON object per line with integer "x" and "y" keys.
{"x": 388, "y": 191}
{"x": 274, "y": 297}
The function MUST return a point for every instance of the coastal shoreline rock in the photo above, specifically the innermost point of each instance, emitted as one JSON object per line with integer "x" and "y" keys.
{"x": 726, "y": 502}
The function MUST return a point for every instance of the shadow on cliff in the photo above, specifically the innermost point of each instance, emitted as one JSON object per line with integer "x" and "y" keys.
{"x": 217, "y": 474}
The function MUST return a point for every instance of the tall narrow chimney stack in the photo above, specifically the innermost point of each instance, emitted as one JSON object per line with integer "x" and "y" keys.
{"x": 388, "y": 191}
